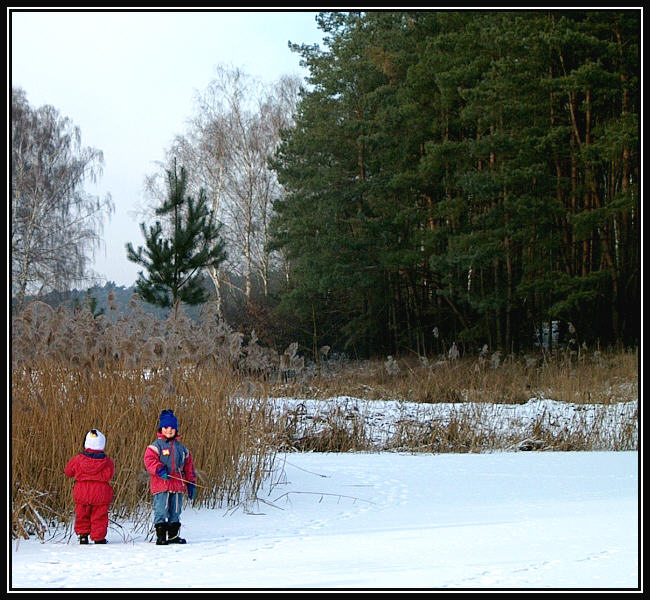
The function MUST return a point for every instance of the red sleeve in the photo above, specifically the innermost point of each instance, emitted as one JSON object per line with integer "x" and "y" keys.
{"x": 151, "y": 460}
{"x": 109, "y": 470}
{"x": 70, "y": 469}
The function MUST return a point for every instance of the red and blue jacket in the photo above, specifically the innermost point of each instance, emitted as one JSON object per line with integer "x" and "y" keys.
{"x": 176, "y": 458}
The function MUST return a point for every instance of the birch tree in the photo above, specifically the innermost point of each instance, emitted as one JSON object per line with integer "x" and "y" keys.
{"x": 231, "y": 136}
{"x": 55, "y": 223}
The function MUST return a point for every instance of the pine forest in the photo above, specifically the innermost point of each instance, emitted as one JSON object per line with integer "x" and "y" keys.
{"x": 465, "y": 176}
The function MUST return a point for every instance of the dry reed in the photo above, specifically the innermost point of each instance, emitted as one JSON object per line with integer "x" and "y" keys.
{"x": 53, "y": 409}
{"x": 72, "y": 371}
{"x": 583, "y": 378}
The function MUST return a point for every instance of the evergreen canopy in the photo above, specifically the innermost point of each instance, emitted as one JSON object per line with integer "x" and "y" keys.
{"x": 473, "y": 173}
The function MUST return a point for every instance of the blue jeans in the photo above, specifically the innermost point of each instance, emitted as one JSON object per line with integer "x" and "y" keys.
{"x": 167, "y": 507}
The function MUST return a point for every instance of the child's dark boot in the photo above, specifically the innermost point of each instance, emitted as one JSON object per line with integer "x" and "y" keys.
{"x": 161, "y": 534}
{"x": 173, "y": 538}
{"x": 83, "y": 538}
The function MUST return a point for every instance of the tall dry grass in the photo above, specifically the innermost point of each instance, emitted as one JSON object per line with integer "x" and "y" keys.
{"x": 486, "y": 381}
{"x": 73, "y": 371}
{"x": 231, "y": 442}
{"x": 585, "y": 377}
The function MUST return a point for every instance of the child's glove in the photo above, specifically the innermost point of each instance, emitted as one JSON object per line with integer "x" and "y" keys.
{"x": 191, "y": 491}
{"x": 162, "y": 472}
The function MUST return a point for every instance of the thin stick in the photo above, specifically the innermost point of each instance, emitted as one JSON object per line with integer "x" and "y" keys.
{"x": 324, "y": 494}
{"x": 186, "y": 481}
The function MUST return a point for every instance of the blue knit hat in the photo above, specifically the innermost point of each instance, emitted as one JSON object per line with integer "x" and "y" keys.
{"x": 168, "y": 419}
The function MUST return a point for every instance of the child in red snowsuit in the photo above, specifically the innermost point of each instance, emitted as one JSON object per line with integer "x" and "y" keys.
{"x": 92, "y": 492}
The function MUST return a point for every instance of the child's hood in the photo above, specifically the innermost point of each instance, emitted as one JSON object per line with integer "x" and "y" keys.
{"x": 94, "y": 462}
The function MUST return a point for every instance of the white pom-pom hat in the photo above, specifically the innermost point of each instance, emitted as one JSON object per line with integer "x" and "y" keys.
{"x": 95, "y": 440}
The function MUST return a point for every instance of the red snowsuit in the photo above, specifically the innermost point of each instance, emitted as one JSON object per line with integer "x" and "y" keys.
{"x": 92, "y": 493}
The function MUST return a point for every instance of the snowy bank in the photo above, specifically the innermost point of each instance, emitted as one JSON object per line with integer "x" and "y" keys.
{"x": 506, "y": 426}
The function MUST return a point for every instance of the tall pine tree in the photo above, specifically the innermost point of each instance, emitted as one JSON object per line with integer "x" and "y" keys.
{"x": 174, "y": 261}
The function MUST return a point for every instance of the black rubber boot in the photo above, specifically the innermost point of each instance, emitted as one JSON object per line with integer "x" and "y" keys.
{"x": 100, "y": 541}
{"x": 173, "y": 538}
{"x": 83, "y": 538}
{"x": 161, "y": 534}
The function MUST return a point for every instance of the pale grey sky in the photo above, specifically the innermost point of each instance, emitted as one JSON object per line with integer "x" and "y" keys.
{"x": 128, "y": 80}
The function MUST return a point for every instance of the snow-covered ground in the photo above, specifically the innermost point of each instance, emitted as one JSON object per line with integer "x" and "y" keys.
{"x": 524, "y": 520}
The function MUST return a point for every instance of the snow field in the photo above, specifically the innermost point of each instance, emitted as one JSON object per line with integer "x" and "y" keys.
{"x": 506, "y": 520}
